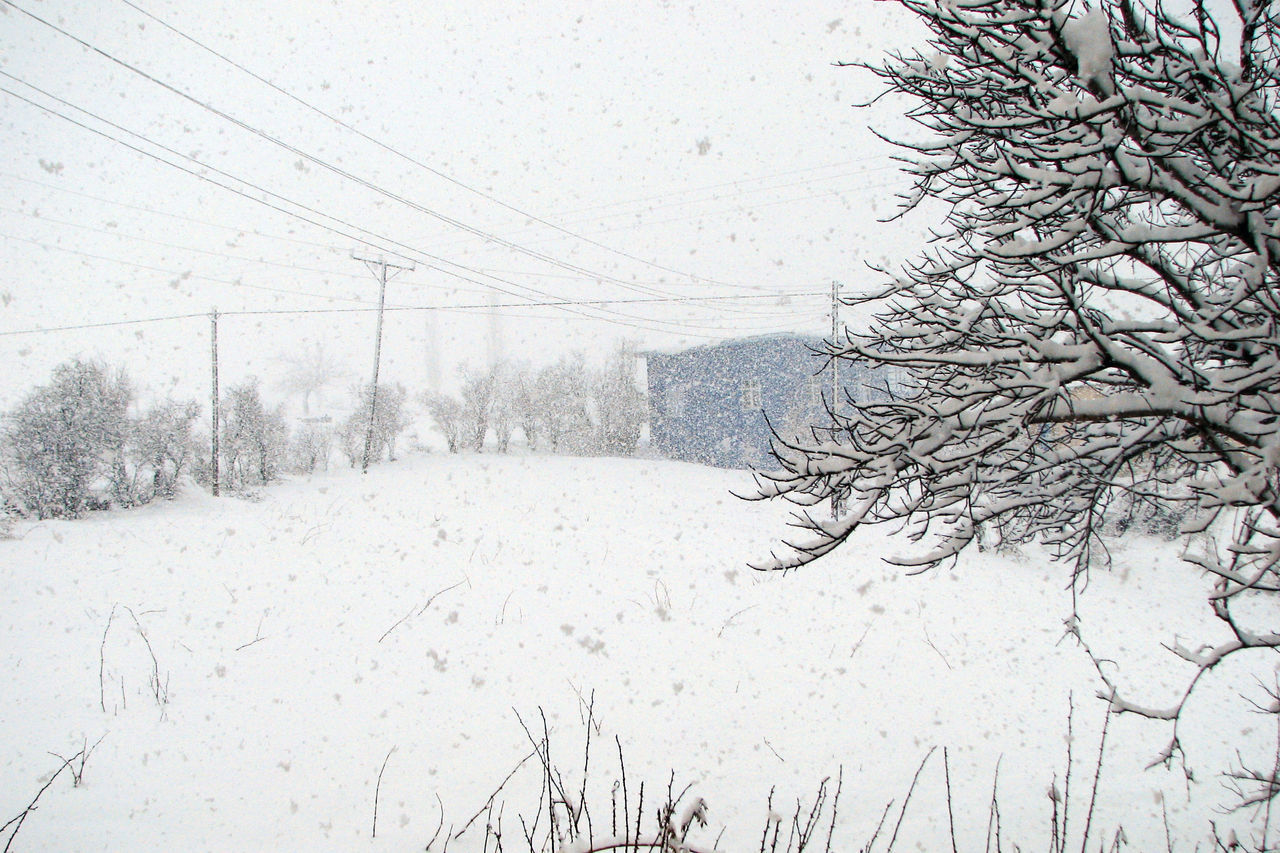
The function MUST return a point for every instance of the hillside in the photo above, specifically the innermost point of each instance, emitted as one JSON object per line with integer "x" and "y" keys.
{"x": 299, "y": 637}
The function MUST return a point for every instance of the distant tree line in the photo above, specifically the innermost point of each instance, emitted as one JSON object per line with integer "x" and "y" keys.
{"x": 83, "y": 442}
{"x": 565, "y": 407}
{"x": 80, "y": 443}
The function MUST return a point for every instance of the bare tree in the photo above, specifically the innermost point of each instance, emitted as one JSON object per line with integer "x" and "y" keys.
{"x": 1098, "y": 321}
{"x": 447, "y": 413}
{"x": 559, "y": 399}
{"x": 307, "y": 373}
{"x": 620, "y": 405}
{"x": 477, "y": 405}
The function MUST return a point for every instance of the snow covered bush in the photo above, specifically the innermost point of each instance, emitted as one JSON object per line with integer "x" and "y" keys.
{"x": 447, "y": 414}
{"x": 477, "y": 406}
{"x": 156, "y": 449}
{"x": 389, "y": 420}
{"x": 558, "y": 401}
{"x": 59, "y": 442}
{"x": 620, "y": 406}
{"x": 1099, "y": 316}
{"x": 311, "y": 445}
{"x": 253, "y": 439}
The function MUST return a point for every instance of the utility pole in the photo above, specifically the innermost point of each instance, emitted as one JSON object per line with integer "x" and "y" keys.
{"x": 213, "y": 321}
{"x": 835, "y": 339}
{"x": 377, "y": 266}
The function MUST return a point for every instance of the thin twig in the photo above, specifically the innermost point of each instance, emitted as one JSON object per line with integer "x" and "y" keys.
{"x": 496, "y": 791}
{"x": 929, "y": 640}
{"x": 378, "y": 788}
{"x": 906, "y": 801}
{"x": 626, "y": 811}
{"x": 835, "y": 805}
{"x": 769, "y": 811}
{"x": 22, "y": 816}
{"x": 440, "y": 825}
{"x": 1066, "y": 783}
{"x": 418, "y": 611}
{"x": 1097, "y": 774}
{"x": 102, "y": 661}
{"x": 879, "y": 825}
{"x": 993, "y": 816}
{"x": 951, "y": 818}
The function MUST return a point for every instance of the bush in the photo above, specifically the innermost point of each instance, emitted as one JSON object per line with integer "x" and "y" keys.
{"x": 156, "y": 450}
{"x": 253, "y": 441}
{"x": 60, "y": 441}
{"x": 389, "y": 421}
{"x": 447, "y": 413}
{"x": 311, "y": 445}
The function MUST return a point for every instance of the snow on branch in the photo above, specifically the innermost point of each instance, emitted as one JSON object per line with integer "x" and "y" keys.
{"x": 1093, "y": 339}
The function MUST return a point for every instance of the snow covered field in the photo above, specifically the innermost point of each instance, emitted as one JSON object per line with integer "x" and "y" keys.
{"x": 299, "y": 638}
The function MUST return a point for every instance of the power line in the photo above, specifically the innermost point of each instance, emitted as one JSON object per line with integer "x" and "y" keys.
{"x": 138, "y": 207}
{"x": 571, "y": 306}
{"x": 722, "y": 197}
{"x": 411, "y": 251}
{"x": 399, "y": 308}
{"x": 374, "y": 240}
{"x": 337, "y": 170}
{"x": 240, "y": 232}
{"x": 406, "y": 157}
{"x": 175, "y": 273}
{"x": 722, "y": 185}
{"x": 105, "y": 325}
{"x": 210, "y": 252}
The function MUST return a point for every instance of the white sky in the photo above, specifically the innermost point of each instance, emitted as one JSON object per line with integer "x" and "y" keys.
{"x": 712, "y": 148}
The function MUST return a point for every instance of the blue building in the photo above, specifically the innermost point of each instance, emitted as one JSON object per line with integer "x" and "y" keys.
{"x": 709, "y": 404}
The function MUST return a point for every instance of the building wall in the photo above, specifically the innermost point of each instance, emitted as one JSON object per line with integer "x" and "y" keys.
{"x": 709, "y": 404}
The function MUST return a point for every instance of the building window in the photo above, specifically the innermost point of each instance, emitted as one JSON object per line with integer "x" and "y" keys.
{"x": 751, "y": 397}
{"x": 813, "y": 392}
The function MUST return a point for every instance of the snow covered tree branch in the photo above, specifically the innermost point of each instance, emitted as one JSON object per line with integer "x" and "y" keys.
{"x": 1097, "y": 326}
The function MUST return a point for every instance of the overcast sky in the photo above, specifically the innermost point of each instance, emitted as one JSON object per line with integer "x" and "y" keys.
{"x": 513, "y": 153}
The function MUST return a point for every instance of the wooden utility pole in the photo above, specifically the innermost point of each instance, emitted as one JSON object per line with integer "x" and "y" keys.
{"x": 213, "y": 321}
{"x": 377, "y": 266}
{"x": 835, "y": 339}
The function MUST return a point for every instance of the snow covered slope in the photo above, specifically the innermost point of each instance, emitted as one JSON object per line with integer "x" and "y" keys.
{"x": 299, "y": 638}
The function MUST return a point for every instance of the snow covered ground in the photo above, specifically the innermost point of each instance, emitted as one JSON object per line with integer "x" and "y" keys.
{"x": 299, "y": 638}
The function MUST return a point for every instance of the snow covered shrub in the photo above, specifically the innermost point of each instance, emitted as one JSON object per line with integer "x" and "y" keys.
{"x": 559, "y": 403}
{"x": 59, "y": 442}
{"x": 156, "y": 449}
{"x": 253, "y": 440}
{"x": 503, "y": 412}
{"x": 447, "y": 414}
{"x": 389, "y": 420}
{"x": 1098, "y": 317}
{"x": 311, "y": 445}
{"x": 477, "y": 406}
{"x": 619, "y": 405}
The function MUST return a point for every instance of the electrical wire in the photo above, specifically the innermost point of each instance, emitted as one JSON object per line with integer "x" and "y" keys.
{"x": 337, "y": 170}
{"x": 373, "y": 240}
{"x": 368, "y": 309}
{"x": 438, "y": 173}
